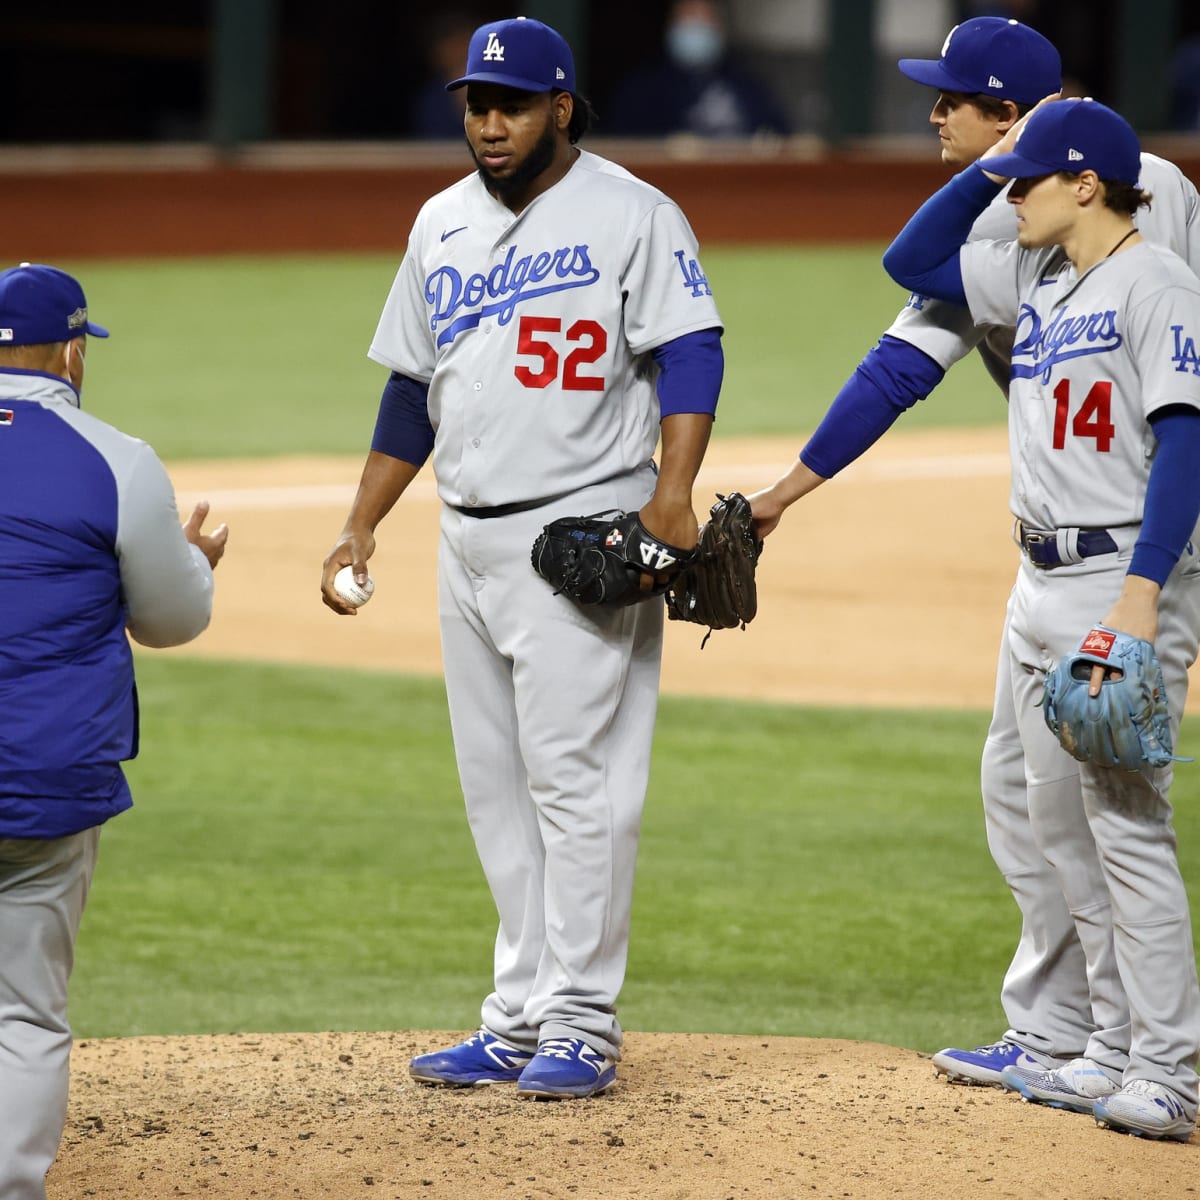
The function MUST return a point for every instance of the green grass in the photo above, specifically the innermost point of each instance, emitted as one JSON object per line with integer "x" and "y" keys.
{"x": 298, "y": 859}
{"x": 221, "y": 357}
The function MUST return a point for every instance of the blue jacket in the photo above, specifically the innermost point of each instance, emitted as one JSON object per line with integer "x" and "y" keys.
{"x": 90, "y": 544}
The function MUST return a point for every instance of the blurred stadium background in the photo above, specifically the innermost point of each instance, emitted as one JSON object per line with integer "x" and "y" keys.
{"x": 113, "y": 120}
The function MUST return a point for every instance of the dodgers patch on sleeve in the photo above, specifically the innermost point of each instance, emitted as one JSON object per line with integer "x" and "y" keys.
{"x": 694, "y": 278}
{"x": 1184, "y": 357}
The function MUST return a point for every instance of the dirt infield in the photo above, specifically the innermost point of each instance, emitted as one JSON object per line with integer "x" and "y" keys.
{"x": 886, "y": 587}
{"x": 692, "y": 1118}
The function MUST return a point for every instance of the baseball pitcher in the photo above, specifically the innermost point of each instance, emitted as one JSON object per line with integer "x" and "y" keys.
{"x": 550, "y": 322}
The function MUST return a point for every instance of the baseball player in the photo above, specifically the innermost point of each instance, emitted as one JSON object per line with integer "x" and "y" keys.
{"x": 550, "y": 321}
{"x": 90, "y": 548}
{"x": 990, "y": 71}
{"x": 1104, "y": 422}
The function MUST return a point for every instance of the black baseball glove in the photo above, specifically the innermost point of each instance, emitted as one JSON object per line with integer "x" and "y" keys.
{"x": 718, "y": 588}
{"x": 1128, "y": 724}
{"x": 606, "y": 559}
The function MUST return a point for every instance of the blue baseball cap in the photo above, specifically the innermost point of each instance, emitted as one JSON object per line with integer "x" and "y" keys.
{"x": 1073, "y": 135}
{"x": 519, "y": 53}
{"x": 42, "y": 305}
{"x": 991, "y": 56}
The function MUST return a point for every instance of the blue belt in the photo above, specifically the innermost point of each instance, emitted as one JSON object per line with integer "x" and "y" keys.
{"x": 1042, "y": 545}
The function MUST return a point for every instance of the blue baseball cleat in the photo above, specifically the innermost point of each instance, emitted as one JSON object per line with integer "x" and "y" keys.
{"x": 480, "y": 1060}
{"x": 565, "y": 1067}
{"x": 984, "y": 1064}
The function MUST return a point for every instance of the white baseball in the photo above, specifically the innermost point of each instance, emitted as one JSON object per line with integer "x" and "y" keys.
{"x": 351, "y": 592}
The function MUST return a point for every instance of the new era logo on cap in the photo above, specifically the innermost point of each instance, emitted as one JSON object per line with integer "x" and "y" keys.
{"x": 994, "y": 82}
{"x": 1074, "y": 155}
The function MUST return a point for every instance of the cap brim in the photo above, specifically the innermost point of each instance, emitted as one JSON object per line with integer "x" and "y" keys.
{"x": 512, "y": 81}
{"x": 1017, "y": 166}
{"x": 94, "y": 330}
{"x": 932, "y": 73}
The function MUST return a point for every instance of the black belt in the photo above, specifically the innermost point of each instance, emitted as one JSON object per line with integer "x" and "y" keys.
{"x": 1042, "y": 545}
{"x": 507, "y": 510}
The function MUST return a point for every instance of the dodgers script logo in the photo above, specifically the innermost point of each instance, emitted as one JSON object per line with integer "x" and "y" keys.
{"x": 1067, "y": 336}
{"x": 465, "y": 302}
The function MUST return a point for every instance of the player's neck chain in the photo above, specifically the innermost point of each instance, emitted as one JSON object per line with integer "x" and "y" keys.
{"x": 1121, "y": 243}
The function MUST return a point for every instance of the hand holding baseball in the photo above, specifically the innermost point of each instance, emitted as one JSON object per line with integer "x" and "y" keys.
{"x": 340, "y": 590}
{"x": 350, "y": 589}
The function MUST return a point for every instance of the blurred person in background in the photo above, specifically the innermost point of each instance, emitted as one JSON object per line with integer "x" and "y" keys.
{"x": 91, "y": 548}
{"x": 697, "y": 87}
{"x": 436, "y": 113}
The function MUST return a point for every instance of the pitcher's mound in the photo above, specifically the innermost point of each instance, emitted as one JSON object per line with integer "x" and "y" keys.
{"x": 693, "y": 1117}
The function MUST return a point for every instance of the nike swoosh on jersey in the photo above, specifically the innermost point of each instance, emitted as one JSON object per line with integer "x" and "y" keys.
{"x": 449, "y": 233}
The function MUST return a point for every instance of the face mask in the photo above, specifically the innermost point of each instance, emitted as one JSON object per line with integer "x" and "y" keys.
{"x": 695, "y": 44}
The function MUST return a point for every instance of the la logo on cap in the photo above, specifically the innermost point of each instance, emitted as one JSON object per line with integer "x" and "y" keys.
{"x": 493, "y": 51}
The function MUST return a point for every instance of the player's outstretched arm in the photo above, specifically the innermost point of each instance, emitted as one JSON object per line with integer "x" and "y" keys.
{"x": 888, "y": 382}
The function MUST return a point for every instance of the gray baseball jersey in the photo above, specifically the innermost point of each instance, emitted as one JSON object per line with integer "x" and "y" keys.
{"x": 947, "y": 332}
{"x": 535, "y": 342}
{"x": 1093, "y": 356}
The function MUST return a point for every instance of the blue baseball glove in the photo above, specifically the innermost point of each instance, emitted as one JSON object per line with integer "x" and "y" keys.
{"x": 1127, "y": 725}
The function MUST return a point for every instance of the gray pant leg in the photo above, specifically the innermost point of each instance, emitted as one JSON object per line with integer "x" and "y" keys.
{"x": 43, "y": 889}
{"x": 552, "y": 709}
{"x": 1045, "y": 990}
{"x": 1046, "y": 624}
{"x": 1131, "y": 817}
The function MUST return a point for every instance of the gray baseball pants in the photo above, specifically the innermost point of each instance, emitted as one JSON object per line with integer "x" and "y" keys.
{"x": 43, "y": 888}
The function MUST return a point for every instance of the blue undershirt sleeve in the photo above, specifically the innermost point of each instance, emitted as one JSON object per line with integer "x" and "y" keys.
{"x": 924, "y": 256}
{"x": 402, "y": 428}
{"x": 1172, "y": 494}
{"x": 889, "y": 381}
{"x": 690, "y": 372}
